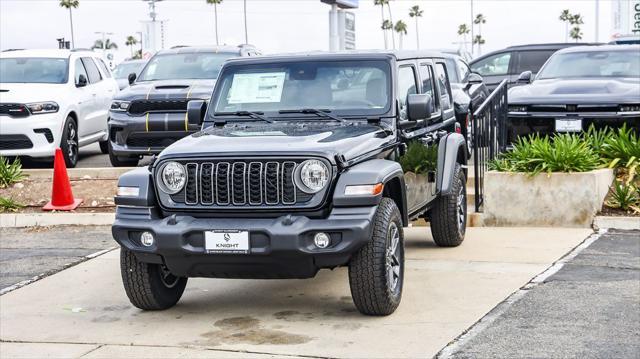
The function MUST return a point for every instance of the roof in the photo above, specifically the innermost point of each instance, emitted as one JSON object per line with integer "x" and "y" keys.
{"x": 196, "y": 49}
{"x": 556, "y": 45}
{"x": 607, "y": 48}
{"x": 357, "y": 54}
{"x": 52, "y": 53}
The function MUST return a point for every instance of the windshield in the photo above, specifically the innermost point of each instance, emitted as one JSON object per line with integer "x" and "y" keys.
{"x": 204, "y": 65}
{"x": 33, "y": 70}
{"x": 349, "y": 87}
{"x": 592, "y": 64}
{"x": 123, "y": 70}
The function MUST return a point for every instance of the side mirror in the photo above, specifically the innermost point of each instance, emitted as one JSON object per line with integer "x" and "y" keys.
{"x": 82, "y": 81}
{"x": 132, "y": 78}
{"x": 525, "y": 77}
{"x": 195, "y": 112}
{"x": 419, "y": 107}
{"x": 473, "y": 79}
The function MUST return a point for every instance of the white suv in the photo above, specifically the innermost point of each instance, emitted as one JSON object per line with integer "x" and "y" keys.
{"x": 51, "y": 99}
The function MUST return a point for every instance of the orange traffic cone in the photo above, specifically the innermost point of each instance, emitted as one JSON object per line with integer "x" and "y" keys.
{"x": 61, "y": 195}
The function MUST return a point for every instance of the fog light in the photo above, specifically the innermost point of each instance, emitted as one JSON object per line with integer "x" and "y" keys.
{"x": 147, "y": 239}
{"x": 322, "y": 240}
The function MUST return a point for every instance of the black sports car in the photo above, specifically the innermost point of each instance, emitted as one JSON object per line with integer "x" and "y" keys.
{"x": 150, "y": 114}
{"x": 576, "y": 88}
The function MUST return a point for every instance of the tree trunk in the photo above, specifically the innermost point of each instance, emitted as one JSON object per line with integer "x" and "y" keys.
{"x": 400, "y": 41}
{"x": 393, "y": 37}
{"x": 215, "y": 11}
{"x": 384, "y": 31}
{"x": 73, "y": 41}
{"x": 417, "y": 35}
{"x": 246, "y": 33}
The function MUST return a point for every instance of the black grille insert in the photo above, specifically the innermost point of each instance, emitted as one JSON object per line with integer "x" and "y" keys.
{"x": 141, "y": 107}
{"x": 15, "y": 142}
{"x": 13, "y": 110}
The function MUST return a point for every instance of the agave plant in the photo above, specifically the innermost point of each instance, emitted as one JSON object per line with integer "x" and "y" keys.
{"x": 625, "y": 197}
{"x": 10, "y": 173}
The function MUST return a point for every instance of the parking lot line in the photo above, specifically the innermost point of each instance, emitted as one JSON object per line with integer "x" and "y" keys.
{"x": 446, "y": 291}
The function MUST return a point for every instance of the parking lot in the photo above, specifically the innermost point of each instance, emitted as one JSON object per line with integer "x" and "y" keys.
{"x": 83, "y": 310}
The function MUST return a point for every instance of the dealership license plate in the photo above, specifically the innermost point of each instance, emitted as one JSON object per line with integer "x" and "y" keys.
{"x": 232, "y": 242}
{"x": 569, "y": 125}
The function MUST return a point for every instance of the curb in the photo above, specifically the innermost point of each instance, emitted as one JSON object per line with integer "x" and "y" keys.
{"x": 16, "y": 220}
{"x": 616, "y": 222}
{"x": 93, "y": 173}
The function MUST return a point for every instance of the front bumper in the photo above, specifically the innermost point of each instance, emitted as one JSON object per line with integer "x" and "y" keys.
{"x": 148, "y": 134}
{"x": 33, "y": 136}
{"x": 279, "y": 247}
{"x": 524, "y": 124}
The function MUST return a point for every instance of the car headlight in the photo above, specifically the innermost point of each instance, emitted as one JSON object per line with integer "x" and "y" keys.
{"x": 173, "y": 177}
{"x": 630, "y": 108}
{"x": 37, "y": 108}
{"x": 517, "y": 108}
{"x": 120, "y": 106}
{"x": 313, "y": 176}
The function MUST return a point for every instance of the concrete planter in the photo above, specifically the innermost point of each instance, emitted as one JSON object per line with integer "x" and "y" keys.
{"x": 556, "y": 200}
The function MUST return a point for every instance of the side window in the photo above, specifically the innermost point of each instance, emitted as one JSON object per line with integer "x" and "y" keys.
{"x": 532, "y": 60}
{"x": 92, "y": 70}
{"x": 493, "y": 65}
{"x": 406, "y": 87}
{"x": 104, "y": 68}
{"x": 463, "y": 70}
{"x": 428, "y": 86}
{"x": 451, "y": 71}
{"x": 443, "y": 85}
{"x": 80, "y": 70}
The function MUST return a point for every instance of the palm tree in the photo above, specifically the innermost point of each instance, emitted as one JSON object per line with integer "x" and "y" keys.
{"x": 416, "y": 12}
{"x": 215, "y": 4}
{"x": 98, "y": 44}
{"x": 70, "y": 4}
{"x": 393, "y": 38}
{"x": 575, "y": 33}
{"x": 479, "y": 41}
{"x": 463, "y": 30}
{"x": 576, "y": 21}
{"x": 401, "y": 29}
{"x": 565, "y": 16}
{"x": 131, "y": 40}
{"x": 246, "y": 32}
{"x": 479, "y": 20}
{"x": 387, "y": 25}
{"x": 382, "y": 3}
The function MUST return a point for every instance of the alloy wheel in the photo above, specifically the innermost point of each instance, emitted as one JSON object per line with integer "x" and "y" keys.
{"x": 393, "y": 256}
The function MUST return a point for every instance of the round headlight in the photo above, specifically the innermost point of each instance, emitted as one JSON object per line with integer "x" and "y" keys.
{"x": 173, "y": 177}
{"x": 313, "y": 176}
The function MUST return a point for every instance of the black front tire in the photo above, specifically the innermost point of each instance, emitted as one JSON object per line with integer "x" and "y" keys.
{"x": 449, "y": 213}
{"x": 69, "y": 143}
{"x": 104, "y": 147}
{"x": 376, "y": 271}
{"x": 119, "y": 161}
{"x": 149, "y": 286}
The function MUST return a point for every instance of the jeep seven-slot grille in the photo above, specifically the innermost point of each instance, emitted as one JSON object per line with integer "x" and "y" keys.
{"x": 141, "y": 107}
{"x": 242, "y": 183}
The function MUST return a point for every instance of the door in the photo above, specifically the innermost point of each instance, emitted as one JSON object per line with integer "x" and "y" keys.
{"x": 493, "y": 69}
{"x": 85, "y": 103}
{"x": 96, "y": 121}
{"x": 531, "y": 60}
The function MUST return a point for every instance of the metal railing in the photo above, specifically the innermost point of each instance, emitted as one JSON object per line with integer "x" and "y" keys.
{"x": 489, "y": 137}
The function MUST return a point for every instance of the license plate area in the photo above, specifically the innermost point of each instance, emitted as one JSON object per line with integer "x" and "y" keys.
{"x": 226, "y": 242}
{"x": 568, "y": 125}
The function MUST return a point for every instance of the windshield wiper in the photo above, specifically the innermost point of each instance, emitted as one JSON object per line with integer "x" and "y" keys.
{"x": 253, "y": 115}
{"x": 319, "y": 112}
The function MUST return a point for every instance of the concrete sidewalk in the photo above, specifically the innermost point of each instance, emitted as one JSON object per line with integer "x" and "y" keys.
{"x": 84, "y": 311}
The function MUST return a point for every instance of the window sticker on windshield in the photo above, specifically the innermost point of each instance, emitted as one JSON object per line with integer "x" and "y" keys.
{"x": 256, "y": 88}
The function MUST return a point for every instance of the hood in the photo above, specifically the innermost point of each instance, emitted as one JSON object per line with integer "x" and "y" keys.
{"x": 577, "y": 91}
{"x": 350, "y": 139}
{"x": 195, "y": 89}
{"x": 25, "y": 93}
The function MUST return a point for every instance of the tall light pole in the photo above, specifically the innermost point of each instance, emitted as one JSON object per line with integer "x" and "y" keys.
{"x": 246, "y": 32}
{"x": 141, "y": 46}
{"x": 151, "y": 27}
{"x": 104, "y": 39}
{"x": 471, "y": 23}
{"x": 597, "y": 20}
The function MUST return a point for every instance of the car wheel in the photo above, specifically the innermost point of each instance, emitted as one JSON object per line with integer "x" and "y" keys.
{"x": 376, "y": 271}
{"x": 69, "y": 142}
{"x": 449, "y": 213}
{"x": 149, "y": 286}
{"x": 119, "y": 161}
{"x": 104, "y": 147}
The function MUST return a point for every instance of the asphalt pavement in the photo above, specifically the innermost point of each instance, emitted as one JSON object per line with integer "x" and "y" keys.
{"x": 90, "y": 157}
{"x": 590, "y": 308}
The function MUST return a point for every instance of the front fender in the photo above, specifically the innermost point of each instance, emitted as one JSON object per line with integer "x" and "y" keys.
{"x": 452, "y": 149}
{"x": 142, "y": 179}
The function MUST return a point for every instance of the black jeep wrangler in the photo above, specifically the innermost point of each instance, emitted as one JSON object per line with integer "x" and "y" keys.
{"x": 303, "y": 162}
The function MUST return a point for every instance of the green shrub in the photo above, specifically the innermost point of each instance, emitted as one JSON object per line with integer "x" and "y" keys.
{"x": 9, "y": 205}
{"x": 624, "y": 196}
{"x": 533, "y": 155}
{"x": 10, "y": 173}
{"x": 620, "y": 148}
{"x": 419, "y": 158}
